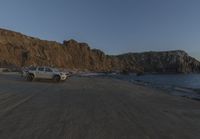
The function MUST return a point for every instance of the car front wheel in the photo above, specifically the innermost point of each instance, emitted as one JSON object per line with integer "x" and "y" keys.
{"x": 56, "y": 78}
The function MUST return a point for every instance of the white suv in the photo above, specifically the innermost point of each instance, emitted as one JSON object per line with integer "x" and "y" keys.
{"x": 46, "y": 73}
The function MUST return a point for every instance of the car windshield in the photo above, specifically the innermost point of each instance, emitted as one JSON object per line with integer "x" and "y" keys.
{"x": 56, "y": 70}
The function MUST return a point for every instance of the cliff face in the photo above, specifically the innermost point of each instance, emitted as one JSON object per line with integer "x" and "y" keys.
{"x": 162, "y": 62}
{"x": 19, "y": 50}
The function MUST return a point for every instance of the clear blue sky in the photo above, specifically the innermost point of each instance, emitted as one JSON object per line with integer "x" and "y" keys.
{"x": 114, "y": 26}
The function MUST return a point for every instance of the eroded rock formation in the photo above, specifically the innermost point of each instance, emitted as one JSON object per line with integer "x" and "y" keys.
{"x": 19, "y": 50}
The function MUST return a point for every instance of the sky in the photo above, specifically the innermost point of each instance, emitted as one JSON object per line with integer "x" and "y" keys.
{"x": 114, "y": 26}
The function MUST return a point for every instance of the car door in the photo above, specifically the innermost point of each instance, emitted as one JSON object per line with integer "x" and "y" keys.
{"x": 40, "y": 72}
{"x": 48, "y": 73}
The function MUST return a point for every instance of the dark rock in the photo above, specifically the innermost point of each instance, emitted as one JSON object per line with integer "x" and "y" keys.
{"x": 162, "y": 62}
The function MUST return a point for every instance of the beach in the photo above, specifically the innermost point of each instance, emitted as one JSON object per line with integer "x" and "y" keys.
{"x": 93, "y": 108}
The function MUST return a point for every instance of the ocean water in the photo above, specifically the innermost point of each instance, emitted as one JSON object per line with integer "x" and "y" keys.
{"x": 167, "y": 80}
{"x": 185, "y": 85}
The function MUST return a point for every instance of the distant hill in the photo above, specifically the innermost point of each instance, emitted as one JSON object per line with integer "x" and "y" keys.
{"x": 20, "y": 50}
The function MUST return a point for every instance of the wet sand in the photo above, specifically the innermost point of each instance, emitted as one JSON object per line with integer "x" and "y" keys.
{"x": 93, "y": 108}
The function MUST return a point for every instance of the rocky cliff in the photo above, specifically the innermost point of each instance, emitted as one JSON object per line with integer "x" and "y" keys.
{"x": 161, "y": 62}
{"x": 19, "y": 50}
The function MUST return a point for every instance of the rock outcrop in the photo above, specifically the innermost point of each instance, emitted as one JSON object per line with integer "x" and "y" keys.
{"x": 20, "y": 50}
{"x": 161, "y": 62}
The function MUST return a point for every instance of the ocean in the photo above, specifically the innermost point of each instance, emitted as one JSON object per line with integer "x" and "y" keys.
{"x": 167, "y": 80}
{"x": 184, "y": 85}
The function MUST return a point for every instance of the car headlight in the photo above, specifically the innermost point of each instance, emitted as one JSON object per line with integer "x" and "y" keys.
{"x": 62, "y": 73}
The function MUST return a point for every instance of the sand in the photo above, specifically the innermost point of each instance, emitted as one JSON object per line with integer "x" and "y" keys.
{"x": 93, "y": 108}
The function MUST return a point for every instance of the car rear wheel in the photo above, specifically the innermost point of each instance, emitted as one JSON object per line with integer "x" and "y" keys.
{"x": 30, "y": 77}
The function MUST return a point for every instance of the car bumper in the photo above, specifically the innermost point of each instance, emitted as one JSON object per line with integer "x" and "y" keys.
{"x": 63, "y": 77}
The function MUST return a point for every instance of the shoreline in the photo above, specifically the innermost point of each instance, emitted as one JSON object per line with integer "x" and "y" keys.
{"x": 190, "y": 93}
{"x": 174, "y": 90}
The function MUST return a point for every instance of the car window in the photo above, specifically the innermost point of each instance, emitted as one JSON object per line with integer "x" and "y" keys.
{"x": 48, "y": 70}
{"x": 41, "y": 69}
